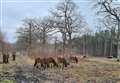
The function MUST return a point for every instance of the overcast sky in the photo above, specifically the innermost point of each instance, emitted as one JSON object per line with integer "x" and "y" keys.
{"x": 14, "y": 11}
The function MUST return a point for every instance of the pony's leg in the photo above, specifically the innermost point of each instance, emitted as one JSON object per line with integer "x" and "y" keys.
{"x": 55, "y": 65}
{"x": 48, "y": 65}
{"x": 37, "y": 66}
{"x": 42, "y": 67}
{"x": 63, "y": 66}
{"x": 59, "y": 67}
{"x": 45, "y": 66}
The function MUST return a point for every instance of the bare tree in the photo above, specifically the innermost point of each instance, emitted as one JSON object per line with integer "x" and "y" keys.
{"x": 2, "y": 40}
{"x": 107, "y": 8}
{"x": 55, "y": 45}
{"x": 44, "y": 29}
{"x": 5, "y": 47}
{"x": 86, "y": 31}
{"x": 110, "y": 25}
{"x": 68, "y": 21}
{"x": 25, "y": 32}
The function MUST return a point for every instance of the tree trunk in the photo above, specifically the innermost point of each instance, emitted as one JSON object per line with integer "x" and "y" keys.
{"x": 64, "y": 43}
{"x": 118, "y": 48}
{"x": 55, "y": 46}
{"x": 64, "y": 33}
{"x": 111, "y": 40}
{"x": 70, "y": 44}
{"x": 44, "y": 42}
{"x": 111, "y": 47}
{"x": 105, "y": 46}
{"x": 84, "y": 45}
{"x": 30, "y": 40}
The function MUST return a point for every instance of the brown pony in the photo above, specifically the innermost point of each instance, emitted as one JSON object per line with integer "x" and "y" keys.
{"x": 37, "y": 60}
{"x": 63, "y": 61}
{"x": 5, "y": 58}
{"x": 74, "y": 58}
{"x": 45, "y": 62}
{"x": 51, "y": 60}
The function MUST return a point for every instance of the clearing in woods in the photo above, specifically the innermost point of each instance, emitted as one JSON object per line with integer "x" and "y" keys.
{"x": 88, "y": 70}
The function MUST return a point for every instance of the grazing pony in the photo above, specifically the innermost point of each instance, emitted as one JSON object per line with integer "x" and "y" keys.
{"x": 63, "y": 61}
{"x": 52, "y": 61}
{"x": 74, "y": 58}
{"x": 37, "y": 60}
{"x": 41, "y": 62}
{"x": 45, "y": 62}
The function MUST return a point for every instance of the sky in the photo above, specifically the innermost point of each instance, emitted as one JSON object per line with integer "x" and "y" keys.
{"x": 12, "y": 12}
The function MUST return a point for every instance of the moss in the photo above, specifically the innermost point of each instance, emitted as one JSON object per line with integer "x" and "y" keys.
{"x": 7, "y": 81}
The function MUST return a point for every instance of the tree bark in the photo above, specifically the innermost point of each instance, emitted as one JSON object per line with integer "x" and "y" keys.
{"x": 64, "y": 44}
{"x": 111, "y": 47}
{"x": 44, "y": 39}
{"x": 55, "y": 46}
{"x": 84, "y": 45}
{"x": 64, "y": 33}
{"x": 118, "y": 48}
{"x": 30, "y": 39}
{"x": 105, "y": 45}
{"x": 111, "y": 40}
{"x": 70, "y": 44}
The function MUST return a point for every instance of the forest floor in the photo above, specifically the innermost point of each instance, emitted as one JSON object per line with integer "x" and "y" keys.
{"x": 88, "y": 70}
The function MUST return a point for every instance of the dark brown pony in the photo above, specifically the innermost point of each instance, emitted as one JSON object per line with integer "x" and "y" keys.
{"x": 63, "y": 61}
{"x": 37, "y": 60}
{"x": 45, "y": 62}
{"x": 109, "y": 57}
{"x": 74, "y": 58}
{"x": 51, "y": 60}
{"x": 14, "y": 56}
{"x": 42, "y": 62}
{"x": 84, "y": 56}
{"x": 5, "y": 58}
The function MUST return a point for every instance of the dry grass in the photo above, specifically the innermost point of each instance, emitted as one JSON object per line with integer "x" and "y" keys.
{"x": 95, "y": 69}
